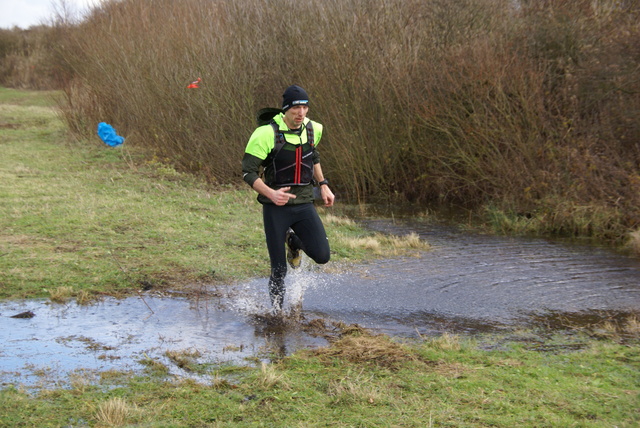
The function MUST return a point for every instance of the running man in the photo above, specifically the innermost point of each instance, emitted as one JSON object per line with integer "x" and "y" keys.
{"x": 286, "y": 150}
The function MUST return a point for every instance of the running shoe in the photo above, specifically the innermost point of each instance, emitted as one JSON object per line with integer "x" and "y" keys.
{"x": 294, "y": 255}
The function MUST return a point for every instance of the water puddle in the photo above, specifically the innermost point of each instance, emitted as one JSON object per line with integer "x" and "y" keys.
{"x": 118, "y": 334}
{"x": 466, "y": 284}
{"x": 472, "y": 280}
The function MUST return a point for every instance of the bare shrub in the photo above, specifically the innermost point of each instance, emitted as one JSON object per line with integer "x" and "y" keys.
{"x": 484, "y": 126}
{"x": 528, "y": 106}
{"x": 29, "y": 58}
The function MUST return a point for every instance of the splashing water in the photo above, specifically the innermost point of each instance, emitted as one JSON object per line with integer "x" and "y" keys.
{"x": 251, "y": 299}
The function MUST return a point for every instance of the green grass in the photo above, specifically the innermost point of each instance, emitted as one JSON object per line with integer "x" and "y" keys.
{"x": 28, "y": 98}
{"x": 97, "y": 219}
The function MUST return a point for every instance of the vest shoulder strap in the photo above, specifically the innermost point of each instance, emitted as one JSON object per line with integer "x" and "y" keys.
{"x": 280, "y": 141}
{"x": 310, "y": 135}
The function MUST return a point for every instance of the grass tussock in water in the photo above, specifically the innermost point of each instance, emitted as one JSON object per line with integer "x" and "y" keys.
{"x": 633, "y": 242}
{"x": 385, "y": 244}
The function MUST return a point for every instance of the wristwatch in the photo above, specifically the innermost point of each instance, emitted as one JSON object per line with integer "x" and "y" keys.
{"x": 325, "y": 181}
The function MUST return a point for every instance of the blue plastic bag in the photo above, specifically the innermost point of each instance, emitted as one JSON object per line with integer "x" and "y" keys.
{"x": 108, "y": 135}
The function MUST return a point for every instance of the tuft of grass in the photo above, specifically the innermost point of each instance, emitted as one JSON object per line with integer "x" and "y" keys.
{"x": 409, "y": 241}
{"x": 632, "y": 326}
{"x": 84, "y": 297}
{"x": 447, "y": 342}
{"x": 387, "y": 245}
{"x": 367, "y": 243}
{"x": 269, "y": 376}
{"x": 186, "y": 359}
{"x": 61, "y": 294}
{"x": 354, "y": 389}
{"x": 153, "y": 367}
{"x": 115, "y": 412}
{"x": 560, "y": 218}
{"x": 359, "y": 346}
{"x": 618, "y": 331}
{"x": 332, "y": 219}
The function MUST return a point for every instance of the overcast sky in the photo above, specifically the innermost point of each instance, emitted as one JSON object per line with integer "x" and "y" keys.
{"x": 25, "y": 13}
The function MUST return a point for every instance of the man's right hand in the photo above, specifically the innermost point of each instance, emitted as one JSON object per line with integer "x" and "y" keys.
{"x": 281, "y": 196}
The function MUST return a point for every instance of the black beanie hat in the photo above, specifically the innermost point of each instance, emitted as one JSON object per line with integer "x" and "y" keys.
{"x": 294, "y": 95}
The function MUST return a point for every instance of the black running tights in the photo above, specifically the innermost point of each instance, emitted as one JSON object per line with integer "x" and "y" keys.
{"x": 310, "y": 238}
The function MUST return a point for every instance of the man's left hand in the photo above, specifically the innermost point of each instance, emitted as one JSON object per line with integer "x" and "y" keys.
{"x": 327, "y": 195}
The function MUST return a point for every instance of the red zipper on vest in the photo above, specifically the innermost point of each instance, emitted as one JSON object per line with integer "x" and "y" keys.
{"x": 298, "y": 172}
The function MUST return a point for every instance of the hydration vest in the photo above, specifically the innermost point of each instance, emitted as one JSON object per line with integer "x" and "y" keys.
{"x": 291, "y": 164}
{"x": 288, "y": 164}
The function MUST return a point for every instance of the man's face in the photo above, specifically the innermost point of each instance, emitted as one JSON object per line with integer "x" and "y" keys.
{"x": 295, "y": 116}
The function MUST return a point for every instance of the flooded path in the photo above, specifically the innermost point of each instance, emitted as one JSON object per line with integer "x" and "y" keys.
{"x": 467, "y": 283}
